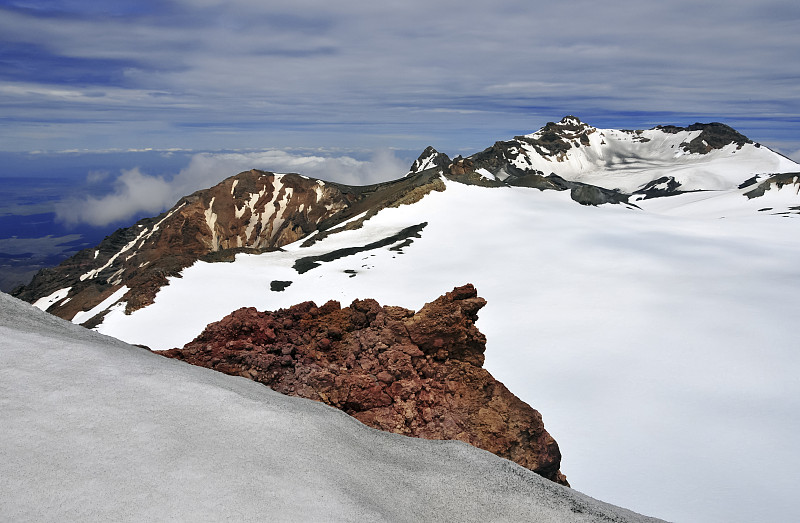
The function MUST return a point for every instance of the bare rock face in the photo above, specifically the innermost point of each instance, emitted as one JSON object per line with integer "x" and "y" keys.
{"x": 418, "y": 374}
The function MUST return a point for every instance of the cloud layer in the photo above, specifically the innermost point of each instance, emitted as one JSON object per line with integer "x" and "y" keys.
{"x": 135, "y": 193}
{"x": 207, "y": 74}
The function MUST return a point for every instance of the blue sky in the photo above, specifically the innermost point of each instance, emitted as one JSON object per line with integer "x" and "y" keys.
{"x": 207, "y": 75}
{"x": 187, "y": 92}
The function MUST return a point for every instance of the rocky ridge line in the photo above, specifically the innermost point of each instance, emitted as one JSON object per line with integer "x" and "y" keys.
{"x": 254, "y": 211}
{"x": 417, "y": 374}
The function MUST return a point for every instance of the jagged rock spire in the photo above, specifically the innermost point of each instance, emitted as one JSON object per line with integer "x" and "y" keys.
{"x": 429, "y": 159}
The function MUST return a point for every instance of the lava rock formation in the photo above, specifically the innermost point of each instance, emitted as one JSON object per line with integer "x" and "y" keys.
{"x": 418, "y": 374}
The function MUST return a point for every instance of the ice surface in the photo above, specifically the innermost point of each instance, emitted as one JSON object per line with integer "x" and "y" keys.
{"x": 658, "y": 344}
{"x": 97, "y": 430}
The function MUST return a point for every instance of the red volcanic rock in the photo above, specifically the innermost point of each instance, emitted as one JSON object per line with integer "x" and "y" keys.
{"x": 417, "y": 374}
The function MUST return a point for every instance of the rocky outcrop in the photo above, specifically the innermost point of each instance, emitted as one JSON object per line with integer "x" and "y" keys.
{"x": 429, "y": 159}
{"x": 555, "y": 139}
{"x": 659, "y": 188}
{"x": 789, "y": 182}
{"x": 776, "y": 181}
{"x": 712, "y": 136}
{"x": 418, "y": 374}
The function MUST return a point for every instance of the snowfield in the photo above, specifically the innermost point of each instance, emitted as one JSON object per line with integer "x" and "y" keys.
{"x": 658, "y": 344}
{"x": 616, "y": 159}
{"x": 97, "y": 430}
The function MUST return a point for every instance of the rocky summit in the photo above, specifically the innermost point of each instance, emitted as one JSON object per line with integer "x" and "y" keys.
{"x": 417, "y": 374}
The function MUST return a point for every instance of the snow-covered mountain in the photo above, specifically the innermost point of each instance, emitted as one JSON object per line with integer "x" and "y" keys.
{"x": 94, "y": 429}
{"x": 648, "y": 325}
{"x": 256, "y": 211}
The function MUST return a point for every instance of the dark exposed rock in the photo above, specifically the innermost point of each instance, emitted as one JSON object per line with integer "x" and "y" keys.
{"x": 775, "y": 181}
{"x": 664, "y": 186}
{"x": 279, "y": 285}
{"x": 418, "y": 374}
{"x": 586, "y": 194}
{"x": 461, "y": 166}
{"x": 713, "y": 135}
{"x": 750, "y": 181}
{"x": 403, "y": 237}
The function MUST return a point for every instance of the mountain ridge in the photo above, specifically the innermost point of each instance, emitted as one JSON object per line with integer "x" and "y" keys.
{"x": 259, "y": 211}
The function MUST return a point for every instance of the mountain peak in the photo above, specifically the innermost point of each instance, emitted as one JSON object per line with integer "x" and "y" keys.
{"x": 429, "y": 159}
{"x": 571, "y": 120}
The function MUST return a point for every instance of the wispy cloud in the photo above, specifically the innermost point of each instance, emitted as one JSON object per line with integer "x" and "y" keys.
{"x": 135, "y": 193}
{"x": 205, "y": 74}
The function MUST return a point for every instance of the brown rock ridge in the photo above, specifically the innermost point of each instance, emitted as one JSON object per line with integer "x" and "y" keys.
{"x": 254, "y": 211}
{"x": 418, "y": 374}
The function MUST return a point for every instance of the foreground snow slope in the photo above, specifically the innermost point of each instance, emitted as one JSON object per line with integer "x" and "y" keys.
{"x": 97, "y": 430}
{"x": 658, "y": 345}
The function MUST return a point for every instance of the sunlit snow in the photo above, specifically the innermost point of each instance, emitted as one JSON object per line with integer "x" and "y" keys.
{"x": 657, "y": 343}
{"x": 81, "y": 317}
{"x": 46, "y": 302}
{"x": 617, "y": 159}
{"x": 96, "y": 430}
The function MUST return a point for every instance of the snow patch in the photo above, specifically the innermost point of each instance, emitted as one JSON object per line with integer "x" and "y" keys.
{"x": 319, "y": 192}
{"x": 83, "y": 316}
{"x": 46, "y": 302}
{"x": 486, "y": 174}
{"x": 94, "y": 272}
{"x": 211, "y": 221}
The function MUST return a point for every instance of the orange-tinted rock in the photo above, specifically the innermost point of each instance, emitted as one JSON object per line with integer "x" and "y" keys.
{"x": 417, "y": 374}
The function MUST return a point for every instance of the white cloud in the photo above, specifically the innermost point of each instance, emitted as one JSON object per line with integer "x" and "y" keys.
{"x": 97, "y": 176}
{"x": 136, "y": 192}
{"x": 441, "y": 68}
